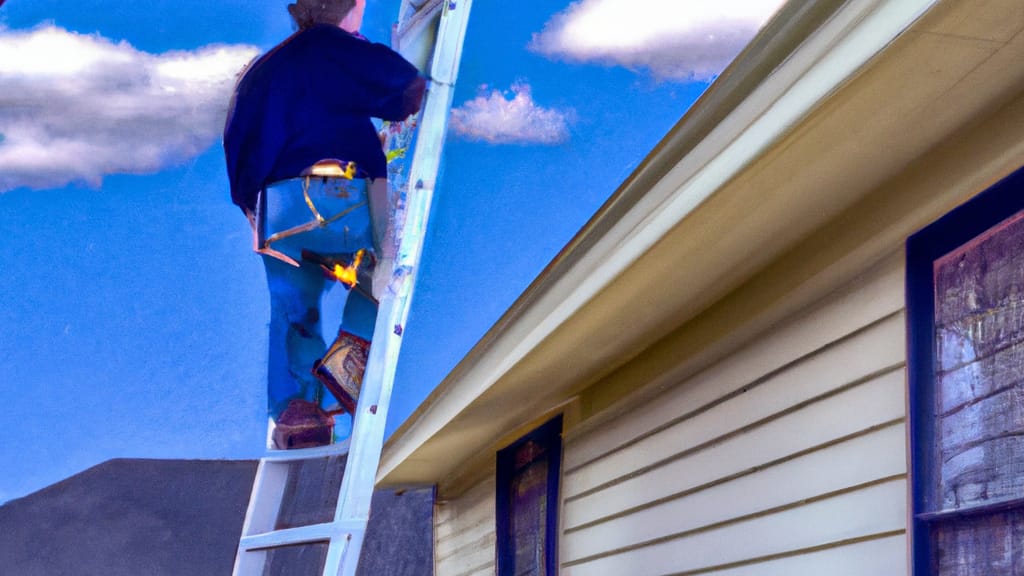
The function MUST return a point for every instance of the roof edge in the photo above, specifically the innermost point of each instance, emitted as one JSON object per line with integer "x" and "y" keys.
{"x": 634, "y": 204}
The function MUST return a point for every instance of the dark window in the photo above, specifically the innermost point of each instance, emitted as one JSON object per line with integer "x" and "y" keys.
{"x": 965, "y": 301}
{"x": 527, "y": 503}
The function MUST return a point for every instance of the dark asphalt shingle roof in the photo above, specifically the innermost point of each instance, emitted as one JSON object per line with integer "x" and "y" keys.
{"x": 178, "y": 517}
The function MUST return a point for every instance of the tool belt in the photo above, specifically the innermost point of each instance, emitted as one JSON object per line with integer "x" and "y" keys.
{"x": 330, "y": 169}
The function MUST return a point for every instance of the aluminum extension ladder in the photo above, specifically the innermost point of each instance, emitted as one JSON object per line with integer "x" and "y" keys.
{"x": 343, "y": 536}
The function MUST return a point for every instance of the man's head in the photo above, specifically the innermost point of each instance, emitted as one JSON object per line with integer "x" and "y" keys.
{"x": 345, "y": 13}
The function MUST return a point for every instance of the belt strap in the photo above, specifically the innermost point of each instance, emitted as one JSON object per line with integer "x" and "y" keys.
{"x": 318, "y": 222}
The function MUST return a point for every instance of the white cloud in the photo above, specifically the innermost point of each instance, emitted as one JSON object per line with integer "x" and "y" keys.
{"x": 510, "y": 117}
{"x": 674, "y": 39}
{"x": 75, "y": 108}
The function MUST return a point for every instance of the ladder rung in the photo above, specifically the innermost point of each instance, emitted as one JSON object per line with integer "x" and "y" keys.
{"x": 307, "y": 453}
{"x": 300, "y": 535}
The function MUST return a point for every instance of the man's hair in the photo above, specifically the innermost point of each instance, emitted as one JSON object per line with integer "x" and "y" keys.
{"x": 307, "y": 13}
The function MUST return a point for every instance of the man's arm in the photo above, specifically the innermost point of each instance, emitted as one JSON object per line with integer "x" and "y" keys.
{"x": 395, "y": 86}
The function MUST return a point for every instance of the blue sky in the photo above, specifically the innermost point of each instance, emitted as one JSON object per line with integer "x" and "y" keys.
{"x": 133, "y": 313}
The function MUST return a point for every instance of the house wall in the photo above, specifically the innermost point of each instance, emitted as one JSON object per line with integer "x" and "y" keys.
{"x": 787, "y": 457}
{"x": 765, "y": 436}
{"x": 464, "y": 532}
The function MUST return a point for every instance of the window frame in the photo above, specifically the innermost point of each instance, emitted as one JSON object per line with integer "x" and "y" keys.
{"x": 548, "y": 435}
{"x": 956, "y": 228}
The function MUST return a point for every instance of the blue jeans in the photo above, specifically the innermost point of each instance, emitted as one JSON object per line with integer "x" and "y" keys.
{"x": 296, "y": 339}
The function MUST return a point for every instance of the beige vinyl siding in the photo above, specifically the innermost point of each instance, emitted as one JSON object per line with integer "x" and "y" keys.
{"x": 464, "y": 532}
{"x": 787, "y": 457}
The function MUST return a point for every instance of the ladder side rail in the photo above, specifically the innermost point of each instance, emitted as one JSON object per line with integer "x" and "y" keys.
{"x": 368, "y": 428}
{"x": 394, "y": 309}
{"x": 267, "y": 491}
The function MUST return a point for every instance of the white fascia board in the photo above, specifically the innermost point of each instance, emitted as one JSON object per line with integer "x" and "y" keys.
{"x": 830, "y": 57}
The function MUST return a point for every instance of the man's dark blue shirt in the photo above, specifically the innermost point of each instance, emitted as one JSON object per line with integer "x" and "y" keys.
{"x": 312, "y": 98}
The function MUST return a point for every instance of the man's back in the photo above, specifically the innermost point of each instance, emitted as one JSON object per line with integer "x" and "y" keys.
{"x": 311, "y": 98}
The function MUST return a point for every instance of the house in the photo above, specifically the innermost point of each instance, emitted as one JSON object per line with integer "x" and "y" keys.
{"x": 773, "y": 350}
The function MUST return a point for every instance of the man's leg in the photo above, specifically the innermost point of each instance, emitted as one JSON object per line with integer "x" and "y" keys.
{"x": 342, "y": 368}
{"x": 295, "y": 340}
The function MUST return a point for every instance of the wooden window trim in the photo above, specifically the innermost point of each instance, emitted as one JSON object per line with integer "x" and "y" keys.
{"x": 947, "y": 234}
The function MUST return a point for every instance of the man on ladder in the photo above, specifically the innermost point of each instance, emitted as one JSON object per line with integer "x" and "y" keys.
{"x": 306, "y": 167}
